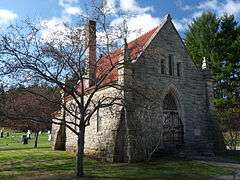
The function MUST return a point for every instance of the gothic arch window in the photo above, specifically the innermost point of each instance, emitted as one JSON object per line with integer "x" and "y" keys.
{"x": 179, "y": 69}
{"x": 170, "y": 65}
{"x": 163, "y": 68}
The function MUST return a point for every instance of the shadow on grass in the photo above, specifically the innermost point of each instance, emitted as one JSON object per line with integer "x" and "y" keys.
{"x": 22, "y": 148}
{"x": 60, "y": 165}
{"x": 231, "y": 155}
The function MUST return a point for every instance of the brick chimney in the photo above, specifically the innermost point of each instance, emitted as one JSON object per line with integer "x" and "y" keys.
{"x": 90, "y": 63}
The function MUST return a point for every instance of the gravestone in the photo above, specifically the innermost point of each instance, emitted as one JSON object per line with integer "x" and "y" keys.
{"x": 237, "y": 176}
{"x": 29, "y": 134}
{"x": 24, "y": 139}
{"x": 1, "y": 134}
{"x": 49, "y": 136}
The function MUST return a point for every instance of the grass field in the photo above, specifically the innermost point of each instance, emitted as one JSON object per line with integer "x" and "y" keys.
{"x": 13, "y": 142}
{"x": 19, "y": 161}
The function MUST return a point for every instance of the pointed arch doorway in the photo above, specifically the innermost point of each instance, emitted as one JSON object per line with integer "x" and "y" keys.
{"x": 173, "y": 130}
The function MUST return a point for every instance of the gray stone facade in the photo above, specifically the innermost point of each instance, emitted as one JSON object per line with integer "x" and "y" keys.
{"x": 133, "y": 133}
{"x": 100, "y": 134}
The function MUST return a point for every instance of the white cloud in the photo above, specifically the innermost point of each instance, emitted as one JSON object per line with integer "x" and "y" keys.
{"x": 54, "y": 30}
{"x": 186, "y": 7}
{"x": 217, "y": 6}
{"x": 110, "y": 6}
{"x": 182, "y": 24}
{"x": 7, "y": 16}
{"x": 228, "y": 6}
{"x": 72, "y": 10}
{"x": 232, "y": 7}
{"x": 69, "y": 7}
{"x": 197, "y": 14}
{"x": 179, "y": 25}
{"x": 65, "y": 3}
{"x": 127, "y": 6}
{"x": 133, "y": 6}
{"x": 138, "y": 24}
{"x": 179, "y": 3}
{"x": 212, "y": 4}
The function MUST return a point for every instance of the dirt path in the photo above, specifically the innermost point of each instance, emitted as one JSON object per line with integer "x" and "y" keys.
{"x": 234, "y": 166}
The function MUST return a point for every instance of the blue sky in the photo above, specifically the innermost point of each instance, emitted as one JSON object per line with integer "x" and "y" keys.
{"x": 147, "y": 13}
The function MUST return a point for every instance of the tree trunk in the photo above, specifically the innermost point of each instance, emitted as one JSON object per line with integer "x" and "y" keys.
{"x": 80, "y": 153}
{"x": 36, "y": 139}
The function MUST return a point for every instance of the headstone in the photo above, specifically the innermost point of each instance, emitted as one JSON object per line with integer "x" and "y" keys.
{"x": 237, "y": 176}
{"x": 24, "y": 139}
{"x": 40, "y": 132}
{"x": 1, "y": 134}
{"x": 49, "y": 136}
{"x": 29, "y": 134}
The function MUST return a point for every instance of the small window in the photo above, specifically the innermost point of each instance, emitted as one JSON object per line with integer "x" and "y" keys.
{"x": 170, "y": 65}
{"x": 179, "y": 68}
{"x": 99, "y": 121}
{"x": 163, "y": 66}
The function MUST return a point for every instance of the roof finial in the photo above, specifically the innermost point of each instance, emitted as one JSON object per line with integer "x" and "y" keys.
{"x": 168, "y": 17}
{"x": 204, "y": 63}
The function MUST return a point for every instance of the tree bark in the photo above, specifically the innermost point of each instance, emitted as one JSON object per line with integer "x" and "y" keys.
{"x": 36, "y": 139}
{"x": 80, "y": 153}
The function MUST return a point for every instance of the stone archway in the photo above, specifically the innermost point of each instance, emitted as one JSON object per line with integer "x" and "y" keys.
{"x": 173, "y": 130}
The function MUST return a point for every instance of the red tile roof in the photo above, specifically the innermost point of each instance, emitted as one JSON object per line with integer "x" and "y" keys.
{"x": 106, "y": 63}
{"x": 135, "y": 47}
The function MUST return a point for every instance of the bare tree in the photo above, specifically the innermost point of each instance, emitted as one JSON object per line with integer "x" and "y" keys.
{"x": 228, "y": 118}
{"x": 155, "y": 140}
{"x": 68, "y": 61}
{"x": 28, "y": 58}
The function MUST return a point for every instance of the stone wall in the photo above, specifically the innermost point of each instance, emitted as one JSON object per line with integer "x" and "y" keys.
{"x": 100, "y": 135}
{"x": 189, "y": 90}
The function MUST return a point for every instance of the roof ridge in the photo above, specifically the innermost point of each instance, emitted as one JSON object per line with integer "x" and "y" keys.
{"x": 153, "y": 29}
{"x": 139, "y": 37}
{"x": 132, "y": 41}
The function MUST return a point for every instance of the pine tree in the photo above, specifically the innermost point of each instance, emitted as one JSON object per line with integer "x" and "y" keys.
{"x": 219, "y": 41}
{"x": 228, "y": 50}
{"x": 201, "y": 38}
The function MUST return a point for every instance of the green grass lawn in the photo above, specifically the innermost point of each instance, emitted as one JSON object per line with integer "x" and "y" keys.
{"x": 22, "y": 161}
{"x": 13, "y": 142}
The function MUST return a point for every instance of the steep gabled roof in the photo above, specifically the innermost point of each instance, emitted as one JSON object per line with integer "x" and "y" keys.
{"x": 111, "y": 60}
{"x": 135, "y": 48}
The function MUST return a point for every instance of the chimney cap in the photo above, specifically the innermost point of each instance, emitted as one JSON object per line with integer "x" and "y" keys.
{"x": 92, "y": 22}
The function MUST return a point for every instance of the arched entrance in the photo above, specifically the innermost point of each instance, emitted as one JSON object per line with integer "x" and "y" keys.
{"x": 173, "y": 132}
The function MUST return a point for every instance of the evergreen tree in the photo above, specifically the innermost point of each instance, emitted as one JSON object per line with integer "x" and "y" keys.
{"x": 228, "y": 50}
{"x": 219, "y": 41}
{"x": 201, "y": 38}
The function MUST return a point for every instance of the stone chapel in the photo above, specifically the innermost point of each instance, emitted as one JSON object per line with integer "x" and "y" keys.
{"x": 174, "y": 114}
